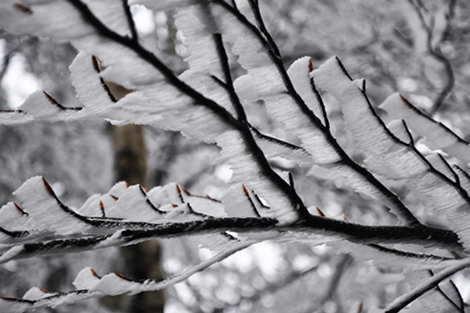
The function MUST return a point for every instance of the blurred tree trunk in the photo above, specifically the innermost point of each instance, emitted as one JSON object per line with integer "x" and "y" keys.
{"x": 143, "y": 260}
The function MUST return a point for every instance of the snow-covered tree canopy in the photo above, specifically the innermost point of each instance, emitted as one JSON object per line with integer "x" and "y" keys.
{"x": 234, "y": 63}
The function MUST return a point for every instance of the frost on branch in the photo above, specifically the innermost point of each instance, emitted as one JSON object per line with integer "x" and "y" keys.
{"x": 40, "y": 224}
{"x": 207, "y": 102}
{"x": 391, "y": 152}
{"x": 437, "y": 135}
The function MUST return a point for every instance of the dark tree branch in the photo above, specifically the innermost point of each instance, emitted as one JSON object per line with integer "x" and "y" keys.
{"x": 431, "y": 169}
{"x": 259, "y": 19}
{"x": 130, "y": 21}
{"x": 132, "y": 232}
{"x": 320, "y": 102}
{"x": 406, "y": 254}
{"x": 149, "y": 57}
{"x": 439, "y": 101}
{"x": 366, "y": 234}
{"x": 199, "y": 99}
{"x": 253, "y": 206}
{"x": 399, "y": 207}
{"x": 277, "y": 141}
{"x": 223, "y": 58}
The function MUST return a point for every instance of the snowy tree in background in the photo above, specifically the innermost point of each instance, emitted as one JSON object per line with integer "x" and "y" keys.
{"x": 292, "y": 160}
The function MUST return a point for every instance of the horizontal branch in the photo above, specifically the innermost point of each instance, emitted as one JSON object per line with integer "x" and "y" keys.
{"x": 363, "y": 234}
{"x": 313, "y": 225}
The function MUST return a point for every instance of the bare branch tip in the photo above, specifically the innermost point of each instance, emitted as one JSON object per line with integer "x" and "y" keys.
{"x": 23, "y": 8}
{"x": 245, "y": 191}
{"x": 122, "y": 277}
{"x": 10, "y": 299}
{"x": 52, "y": 100}
{"x": 103, "y": 212}
{"x": 96, "y": 63}
{"x": 178, "y": 189}
{"x": 186, "y": 191}
{"x": 20, "y": 209}
{"x": 360, "y": 308}
{"x": 49, "y": 189}
{"x": 310, "y": 65}
{"x": 94, "y": 273}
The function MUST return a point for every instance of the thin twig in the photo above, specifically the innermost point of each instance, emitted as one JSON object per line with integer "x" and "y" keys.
{"x": 341, "y": 267}
{"x": 223, "y": 58}
{"x": 401, "y": 302}
{"x": 452, "y": 303}
{"x": 428, "y": 28}
{"x": 130, "y": 21}
{"x": 407, "y": 254}
{"x": 320, "y": 102}
{"x": 257, "y": 13}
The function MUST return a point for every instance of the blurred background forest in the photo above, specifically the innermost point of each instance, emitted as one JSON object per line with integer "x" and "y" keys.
{"x": 419, "y": 48}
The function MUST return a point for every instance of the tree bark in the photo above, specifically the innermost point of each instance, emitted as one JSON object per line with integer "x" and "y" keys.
{"x": 143, "y": 260}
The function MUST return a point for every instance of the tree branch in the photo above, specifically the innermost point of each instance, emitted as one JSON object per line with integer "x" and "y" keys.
{"x": 200, "y": 99}
{"x": 439, "y": 101}
{"x": 398, "y": 207}
{"x": 130, "y": 21}
{"x": 401, "y": 302}
{"x": 314, "y": 225}
{"x": 149, "y": 57}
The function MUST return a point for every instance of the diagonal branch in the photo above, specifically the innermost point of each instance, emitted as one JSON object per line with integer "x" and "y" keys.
{"x": 402, "y": 301}
{"x": 247, "y": 135}
{"x": 130, "y": 21}
{"x": 259, "y": 19}
{"x": 149, "y": 57}
{"x": 398, "y": 206}
{"x": 341, "y": 267}
{"x": 200, "y": 99}
{"x": 432, "y": 169}
{"x": 459, "y": 309}
{"x": 223, "y": 58}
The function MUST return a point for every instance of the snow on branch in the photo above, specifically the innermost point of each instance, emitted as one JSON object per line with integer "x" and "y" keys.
{"x": 437, "y": 135}
{"x": 393, "y": 154}
{"x": 89, "y": 285}
{"x": 207, "y": 102}
{"x": 41, "y": 224}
